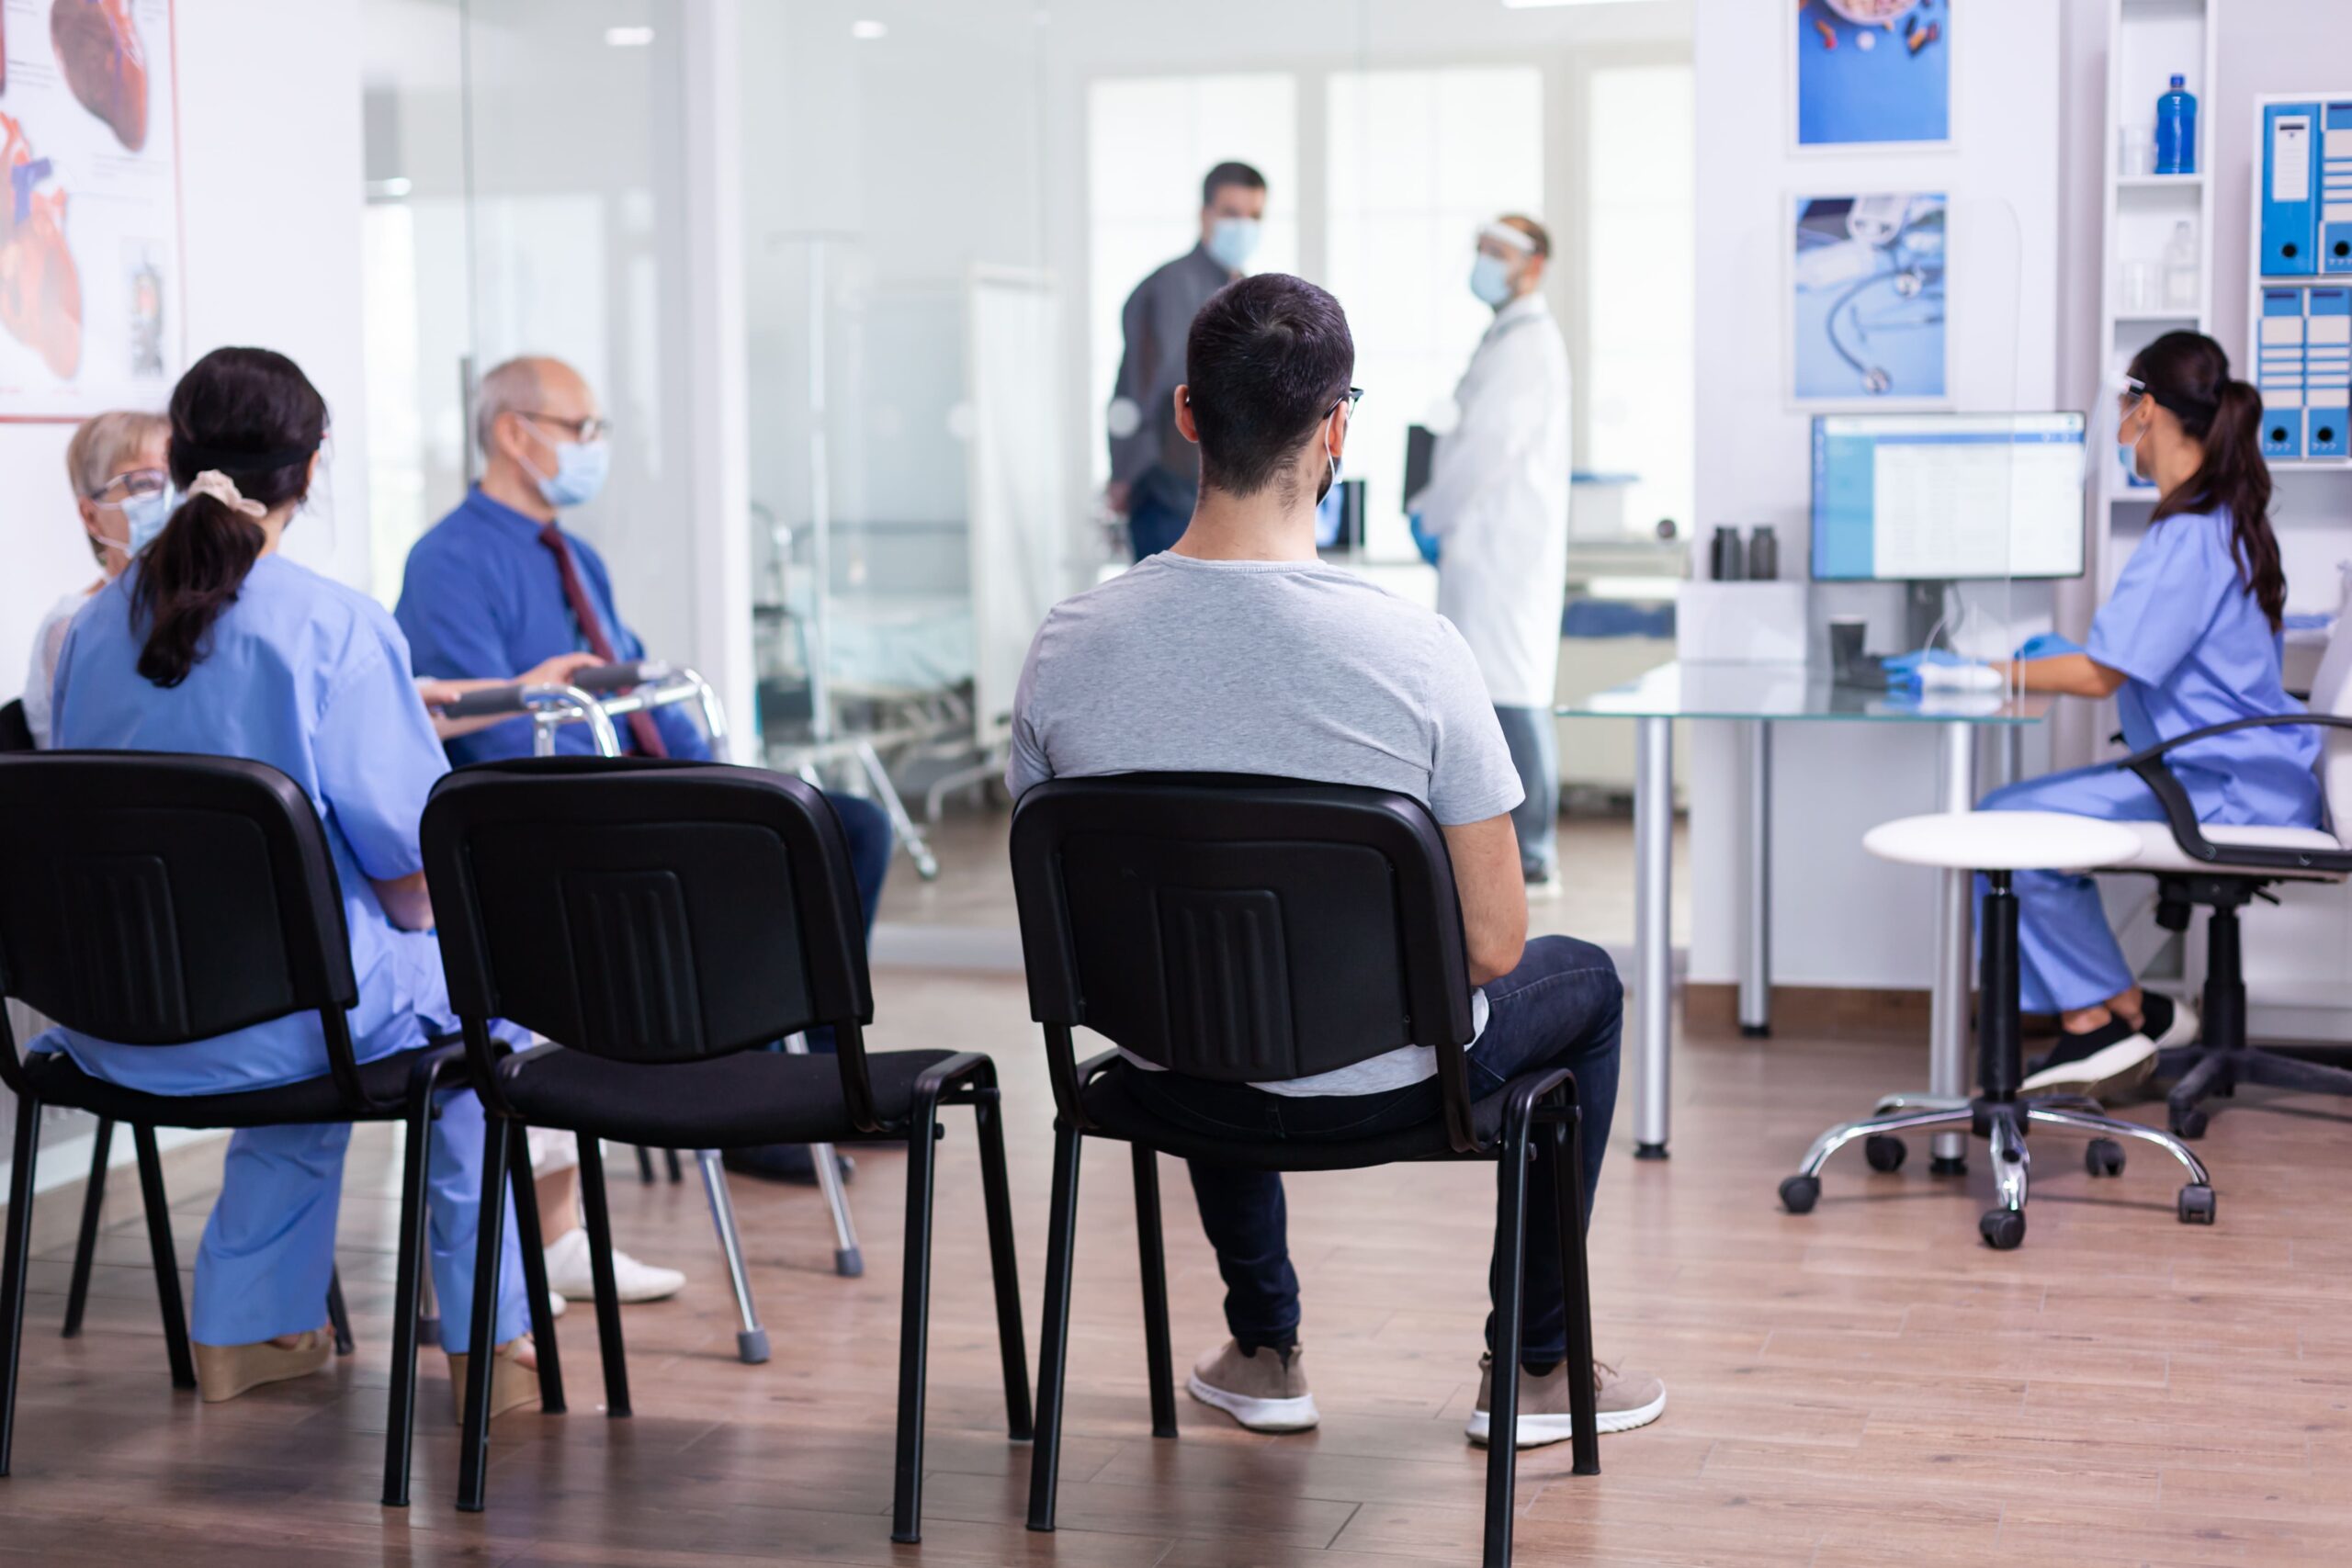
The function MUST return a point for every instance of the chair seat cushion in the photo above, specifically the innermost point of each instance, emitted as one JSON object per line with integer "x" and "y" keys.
{"x": 2003, "y": 841}
{"x": 2158, "y": 850}
{"x": 1117, "y": 1112}
{"x": 752, "y": 1097}
{"x": 59, "y": 1081}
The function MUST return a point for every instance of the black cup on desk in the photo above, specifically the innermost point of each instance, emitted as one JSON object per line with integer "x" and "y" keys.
{"x": 1846, "y": 643}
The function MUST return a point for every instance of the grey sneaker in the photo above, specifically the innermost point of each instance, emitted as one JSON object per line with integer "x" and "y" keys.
{"x": 1259, "y": 1389}
{"x": 1621, "y": 1401}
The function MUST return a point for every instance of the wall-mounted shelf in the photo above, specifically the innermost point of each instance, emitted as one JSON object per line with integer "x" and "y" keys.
{"x": 2157, "y": 182}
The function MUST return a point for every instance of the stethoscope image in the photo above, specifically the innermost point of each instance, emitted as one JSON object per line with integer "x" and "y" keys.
{"x": 1893, "y": 253}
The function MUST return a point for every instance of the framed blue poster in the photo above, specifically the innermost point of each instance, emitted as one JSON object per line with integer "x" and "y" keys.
{"x": 1873, "y": 72}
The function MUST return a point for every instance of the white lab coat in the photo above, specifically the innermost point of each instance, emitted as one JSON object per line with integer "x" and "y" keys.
{"x": 1497, "y": 501}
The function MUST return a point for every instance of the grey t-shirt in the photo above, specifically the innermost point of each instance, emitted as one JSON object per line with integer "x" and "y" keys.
{"x": 1288, "y": 669}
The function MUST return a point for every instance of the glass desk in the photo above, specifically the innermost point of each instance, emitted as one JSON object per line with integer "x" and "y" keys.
{"x": 1757, "y": 697}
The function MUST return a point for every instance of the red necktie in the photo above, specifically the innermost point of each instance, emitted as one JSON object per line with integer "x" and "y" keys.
{"x": 647, "y": 734}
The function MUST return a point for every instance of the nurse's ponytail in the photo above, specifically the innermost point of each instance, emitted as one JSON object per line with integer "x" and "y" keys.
{"x": 2188, "y": 375}
{"x": 245, "y": 423}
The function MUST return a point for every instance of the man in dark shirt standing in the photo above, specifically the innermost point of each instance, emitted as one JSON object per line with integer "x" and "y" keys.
{"x": 1154, "y": 473}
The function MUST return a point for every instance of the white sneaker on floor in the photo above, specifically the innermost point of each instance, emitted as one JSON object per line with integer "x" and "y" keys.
{"x": 556, "y": 1304}
{"x": 571, "y": 1274}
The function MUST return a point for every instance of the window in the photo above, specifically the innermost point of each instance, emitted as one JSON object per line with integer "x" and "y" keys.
{"x": 1149, "y": 139}
{"x": 1640, "y": 278}
{"x": 1418, "y": 160}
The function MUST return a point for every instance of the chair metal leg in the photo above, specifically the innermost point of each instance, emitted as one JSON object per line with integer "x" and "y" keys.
{"x": 428, "y": 1312}
{"x": 2275, "y": 1069}
{"x": 167, "y": 1261}
{"x": 1053, "y": 1345}
{"x": 2052, "y": 1115}
{"x": 532, "y": 1245}
{"x": 1564, "y": 1144}
{"x": 2214, "y": 1074}
{"x": 669, "y": 1159}
{"x": 1838, "y": 1137}
{"x": 94, "y": 1198}
{"x": 408, "y": 1292}
{"x": 914, "y": 1310}
{"x": 1887, "y": 1102}
{"x": 644, "y": 1164}
{"x": 600, "y": 1261}
{"x": 750, "y": 1341}
{"x": 338, "y": 1315}
{"x": 2012, "y": 1163}
{"x": 13, "y": 1255}
{"x": 499, "y": 1137}
{"x": 849, "y": 1261}
{"x": 1503, "y": 1399}
{"x": 987, "y": 1114}
{"x": 1158, "y": 1353}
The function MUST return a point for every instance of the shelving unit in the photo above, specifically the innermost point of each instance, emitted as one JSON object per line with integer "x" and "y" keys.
{"x": 2257, "y": 282}
{"x": 2149, "y": 42}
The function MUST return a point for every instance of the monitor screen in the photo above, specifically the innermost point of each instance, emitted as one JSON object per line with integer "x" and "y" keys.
{"x": 1945, "y": 497}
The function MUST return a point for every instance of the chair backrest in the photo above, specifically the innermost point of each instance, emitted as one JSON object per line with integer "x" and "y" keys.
{"x": 1240, "y": 929}
{"x": 16, "y": 730}
{"x": 2332, "y": 694}
{"x": 154, "y": 900}
{"x": 646, "y": 911}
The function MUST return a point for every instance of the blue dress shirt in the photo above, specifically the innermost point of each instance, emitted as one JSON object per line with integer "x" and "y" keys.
{"x": 483, "y": 599}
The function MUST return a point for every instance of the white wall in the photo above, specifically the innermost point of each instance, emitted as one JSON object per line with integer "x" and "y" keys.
{"x": 1840, "y": 915}
{"x": 269, "y": 169}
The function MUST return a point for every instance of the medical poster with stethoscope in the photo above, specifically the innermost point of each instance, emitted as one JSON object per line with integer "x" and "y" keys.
{"x": 1873, "y": 72}
{"x": 1867, "y": 324}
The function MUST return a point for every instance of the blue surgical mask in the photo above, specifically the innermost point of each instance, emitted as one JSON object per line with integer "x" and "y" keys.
{"x": 1232, "y": 242}
{"x": 1490, "y": 281}
{"x": 144, "y": 516}
{"x": 580, "y": 470}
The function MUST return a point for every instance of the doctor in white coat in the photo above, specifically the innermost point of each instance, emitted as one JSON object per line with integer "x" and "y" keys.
{"x": 1494, "y": 518}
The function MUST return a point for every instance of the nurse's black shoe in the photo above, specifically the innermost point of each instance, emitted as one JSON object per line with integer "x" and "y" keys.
{"x": 2113, "y": 1059}
{"x": 783, "y": 1162}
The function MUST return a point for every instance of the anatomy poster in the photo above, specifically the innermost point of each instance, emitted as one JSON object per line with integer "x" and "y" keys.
{"x": 89, "y": 207}
{"x": 1866, "y": 323}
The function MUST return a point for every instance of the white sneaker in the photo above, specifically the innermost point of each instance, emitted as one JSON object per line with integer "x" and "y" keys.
{"x": 556, "y": 1305}
{"x": 571, "y": 1274}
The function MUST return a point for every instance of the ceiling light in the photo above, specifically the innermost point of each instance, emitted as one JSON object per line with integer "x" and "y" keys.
{"x": 628, "y": 37}
{"x": 869, "y": 29}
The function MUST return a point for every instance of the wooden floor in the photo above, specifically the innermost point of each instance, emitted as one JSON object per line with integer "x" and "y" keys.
{"x": 1863, "y": 1386}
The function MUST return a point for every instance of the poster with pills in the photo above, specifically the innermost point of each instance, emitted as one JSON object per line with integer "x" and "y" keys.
{"x": 1874, "y": 74}
{"x": 90, "y": 293}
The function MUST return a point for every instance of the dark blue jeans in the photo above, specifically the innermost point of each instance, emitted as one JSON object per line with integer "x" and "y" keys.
{"x": 1152, "y": 528}
{"x": 867, "y": 827}
{"x": 1563, "y": 1007}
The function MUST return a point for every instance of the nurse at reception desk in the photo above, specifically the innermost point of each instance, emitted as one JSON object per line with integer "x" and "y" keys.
{"x": 2189, "y": 640}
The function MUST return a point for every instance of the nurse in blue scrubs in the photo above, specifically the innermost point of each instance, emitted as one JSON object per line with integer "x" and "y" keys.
{"x": 2189, "y": 640}
{"x": 213, "y": 642}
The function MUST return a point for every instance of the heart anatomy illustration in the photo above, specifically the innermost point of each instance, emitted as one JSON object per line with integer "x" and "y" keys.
{"x": 98, "y": 47}
{"x": 40, "y": 291}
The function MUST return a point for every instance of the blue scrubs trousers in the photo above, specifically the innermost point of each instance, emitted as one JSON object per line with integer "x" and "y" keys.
{"x": 2068, "y": 957}
{"x": 269, "y": 1248}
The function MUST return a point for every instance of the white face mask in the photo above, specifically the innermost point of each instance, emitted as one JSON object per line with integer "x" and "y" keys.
{"x": 1490, "y": 281}
{"x": 1232, "y": 242}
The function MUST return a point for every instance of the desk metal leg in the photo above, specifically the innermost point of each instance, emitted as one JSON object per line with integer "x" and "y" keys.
{"x": 1653, "y": 930}
{"x": 1948, "y": 1007}
{"x": 1756, "y": 950}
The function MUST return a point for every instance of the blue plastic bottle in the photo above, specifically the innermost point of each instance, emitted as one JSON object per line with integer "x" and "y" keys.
{"x": 2177, "y": 130}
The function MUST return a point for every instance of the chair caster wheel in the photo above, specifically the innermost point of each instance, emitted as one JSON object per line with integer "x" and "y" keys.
{"x": 2104, "y": 1157}
{"x": 2002, "y": 1228}
{"x": 2196, "y": 1205}
{"x": 1885, "y": 1151}
{"x": 2188, "y": 1123}
{"x": 1799, "y": 1193}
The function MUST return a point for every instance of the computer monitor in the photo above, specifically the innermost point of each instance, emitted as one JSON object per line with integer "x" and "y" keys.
{"x": 1935, "y": 497}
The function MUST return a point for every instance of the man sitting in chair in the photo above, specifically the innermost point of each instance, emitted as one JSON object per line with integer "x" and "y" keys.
{"x": 1238, "y": 651}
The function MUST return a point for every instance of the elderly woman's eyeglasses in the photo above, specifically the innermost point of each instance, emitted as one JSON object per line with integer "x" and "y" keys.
{"x": 134, "y": 481}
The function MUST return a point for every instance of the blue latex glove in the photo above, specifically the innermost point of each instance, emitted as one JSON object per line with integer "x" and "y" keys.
{"x": 1423, "y": 540}
{"x": 1938, "y": 668}
{"x": 1910, "y": 664}
{"x": 2047, "y": 645}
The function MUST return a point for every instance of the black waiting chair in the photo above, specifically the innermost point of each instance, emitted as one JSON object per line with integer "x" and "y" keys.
{"x": 1252, "y": 929}
{"x": 16, "y": 730}
{"x": 658, "y": 922}
{"x": 158, "y": 900}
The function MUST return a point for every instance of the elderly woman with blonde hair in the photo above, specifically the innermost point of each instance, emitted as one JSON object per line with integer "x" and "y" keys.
{"x": 123, "y": 492}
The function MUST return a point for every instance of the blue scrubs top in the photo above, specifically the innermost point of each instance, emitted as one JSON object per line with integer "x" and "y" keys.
{"x": 483, "y": 600}
{"x": 311, "y": 678}
{"x": 2195, "y": 651}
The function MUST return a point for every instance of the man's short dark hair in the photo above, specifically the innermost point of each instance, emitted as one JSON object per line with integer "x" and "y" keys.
{"x": 1230, "y": 173}
{"x": 1267, "y": 359}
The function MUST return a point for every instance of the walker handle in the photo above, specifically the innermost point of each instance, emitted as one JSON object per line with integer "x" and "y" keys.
{"x": 482, "y": 703}
{"x": 619, "y": 677}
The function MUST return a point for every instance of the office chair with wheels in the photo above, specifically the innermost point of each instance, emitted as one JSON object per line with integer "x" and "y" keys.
{"x": 1249, "y": 931}
{"x": 657, "y": 921}
{"x": 158, "y": 900}
{"x": 1997, "y": 845}
{"x": 2223, "y": 869}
